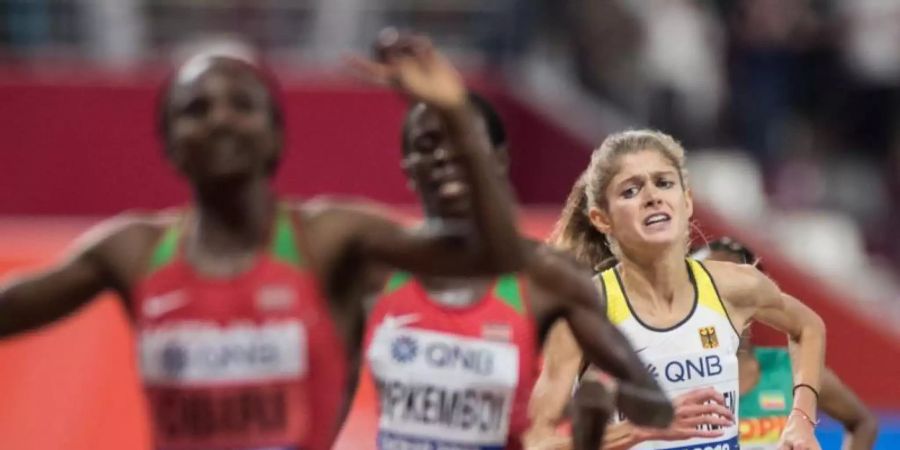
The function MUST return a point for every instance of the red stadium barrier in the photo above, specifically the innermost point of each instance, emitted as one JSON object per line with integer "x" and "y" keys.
{"x": 89, "y": 149}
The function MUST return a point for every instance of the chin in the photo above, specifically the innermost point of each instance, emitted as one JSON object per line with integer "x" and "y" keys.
{"x": 224, "y": 176}
{"x": 662, "y": 240}
{"x": 455, "y": 209}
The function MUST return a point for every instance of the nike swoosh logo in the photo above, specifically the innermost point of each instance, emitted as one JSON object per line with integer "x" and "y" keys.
{"x": 401, "y": 320}
{"x": 641, "y": 349}
{"x": 155, "y": 307}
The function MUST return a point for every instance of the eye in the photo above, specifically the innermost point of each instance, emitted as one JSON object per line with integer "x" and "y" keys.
{"x": 426, "y": 142}
{"x": 242, "y": 103}
{"x": 197, "y": 107}
{"x": 663, "y": 183}
{"x": 630, "y": 192}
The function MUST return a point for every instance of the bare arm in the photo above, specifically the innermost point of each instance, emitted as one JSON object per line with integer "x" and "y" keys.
{"x": 361, "y": 234}
{"x": 554, "y": 386}
{"x": 753, "y": 296}
{"x": 34, "y": 300}
{"x": 415, "y": 69}
{"x": 573, "y": 297}
{"x": 839, "y": 402}
{"x": 806, "y": 341}
{"x": 638, "y": 396}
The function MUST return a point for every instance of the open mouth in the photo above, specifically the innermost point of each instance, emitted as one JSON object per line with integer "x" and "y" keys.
{"x": 657, "y": 218}
{"x": 452, "y": 190}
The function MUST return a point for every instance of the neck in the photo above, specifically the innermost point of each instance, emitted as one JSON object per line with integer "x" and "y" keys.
{"x": 234, "y": 216}
{"x": 455, "y": 291}
{"x": 658, "y": 279}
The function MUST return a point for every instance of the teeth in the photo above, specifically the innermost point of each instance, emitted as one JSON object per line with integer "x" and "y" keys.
{"x": 656, "y": 218}
{"x": 452, "y": 188}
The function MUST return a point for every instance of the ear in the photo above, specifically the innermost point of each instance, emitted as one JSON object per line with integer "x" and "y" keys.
{"x": 600, "y": 220}
{"x": 689, "y": 202}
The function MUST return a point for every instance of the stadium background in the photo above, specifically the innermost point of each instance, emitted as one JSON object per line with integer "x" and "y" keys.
{"x": 78, "y": 83}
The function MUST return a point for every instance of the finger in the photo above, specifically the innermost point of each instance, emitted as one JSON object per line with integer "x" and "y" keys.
{"x": 708, "y": 394}
{"x": 422, "y": 47}
{"x": 706, "y": 420}
{"x": 387, "y": 38}
{"x": 699, "y": 396}
{"x": 368, "y": 70}
{"x": 708, "y": 408}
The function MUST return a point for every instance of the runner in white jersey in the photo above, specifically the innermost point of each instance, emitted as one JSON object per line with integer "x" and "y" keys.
{"x": 632, "y": 206}
{"x": 698, "y": 352}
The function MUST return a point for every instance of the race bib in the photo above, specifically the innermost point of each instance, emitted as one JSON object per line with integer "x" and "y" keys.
{"x": 687, "y": 372}
{"x": 441, "y": 391}
{"x": 235, "y": 386}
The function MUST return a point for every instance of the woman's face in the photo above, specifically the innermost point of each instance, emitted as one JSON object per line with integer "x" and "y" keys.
{"x": 647, "y": 205}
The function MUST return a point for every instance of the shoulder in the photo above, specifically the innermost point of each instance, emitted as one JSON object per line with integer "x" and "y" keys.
{"x": 739, "y": 284}
{"x": 121, "y": 245}
{"x": 129, "y": 229}
{"x": 337, "y": 207}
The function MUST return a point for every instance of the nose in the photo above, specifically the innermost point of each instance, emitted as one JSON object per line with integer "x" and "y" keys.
{"x": 221, "y": 114}
{"x": 442, "y": 156}
{"x": 652, "y": 198}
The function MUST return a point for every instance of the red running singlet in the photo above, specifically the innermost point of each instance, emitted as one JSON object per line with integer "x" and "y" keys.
{"x": 246, "y": 362}
{"x": 447, "y": 377}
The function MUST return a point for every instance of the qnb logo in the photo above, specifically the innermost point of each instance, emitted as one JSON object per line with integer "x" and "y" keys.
{"x": 177, "y": 358}
{"x": 689, "y": 369}
{"x": 651, "y": 369}
{"x": 174, "y": 359}
{"x": 404, "y": 349}
{"x": 454, "y": 356}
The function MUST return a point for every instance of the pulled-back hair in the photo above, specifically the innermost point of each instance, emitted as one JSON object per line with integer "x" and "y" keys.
{"x": 574, "y": 231}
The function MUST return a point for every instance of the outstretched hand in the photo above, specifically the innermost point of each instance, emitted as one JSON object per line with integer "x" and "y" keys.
{"x": 410, "y": 64}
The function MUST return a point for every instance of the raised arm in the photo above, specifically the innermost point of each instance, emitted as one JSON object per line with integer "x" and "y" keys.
{"x": 416, "y": 70}
{"x": 95, "y": 263}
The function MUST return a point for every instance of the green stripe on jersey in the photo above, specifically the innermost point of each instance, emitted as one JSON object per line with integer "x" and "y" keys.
{"x": 397, "y": 280}
{"x": 509, "y": 291}
{"x": 284, "y": 243}
{"x": 167, "y": 247}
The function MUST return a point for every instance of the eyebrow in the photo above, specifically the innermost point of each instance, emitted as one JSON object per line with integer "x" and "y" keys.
{"x": 638, "y": 177}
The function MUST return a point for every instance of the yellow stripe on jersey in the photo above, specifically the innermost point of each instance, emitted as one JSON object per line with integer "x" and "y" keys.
{"x": 706, "y": 291}
{"x": 616, "y": 307}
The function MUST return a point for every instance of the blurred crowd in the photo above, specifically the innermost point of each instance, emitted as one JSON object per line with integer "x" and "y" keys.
{"x": 809, "y": 88}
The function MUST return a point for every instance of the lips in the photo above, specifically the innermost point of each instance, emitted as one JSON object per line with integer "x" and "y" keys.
{"x": 657, "y": 218}
{"x": 452, "y": 189}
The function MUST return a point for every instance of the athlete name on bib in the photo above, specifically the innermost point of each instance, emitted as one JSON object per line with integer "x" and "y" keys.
{"x": 440, "y": 391}
{"x": 198, "y": 352}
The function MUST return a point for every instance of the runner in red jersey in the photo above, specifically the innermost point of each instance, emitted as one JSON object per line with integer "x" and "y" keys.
{"x": 242, "y": 305}
{"x": 454, "y": 360}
